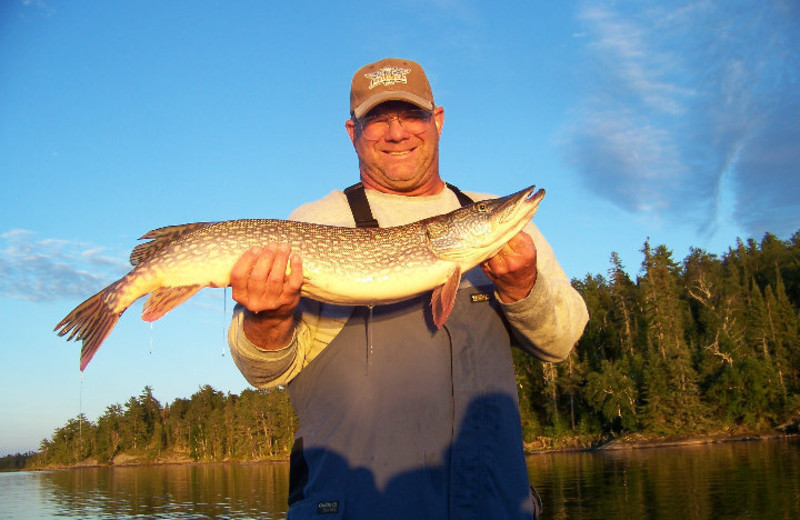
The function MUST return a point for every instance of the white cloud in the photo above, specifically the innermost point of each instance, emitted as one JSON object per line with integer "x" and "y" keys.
{"x": 49, "y": 269}
{"x": 679, "y": 96}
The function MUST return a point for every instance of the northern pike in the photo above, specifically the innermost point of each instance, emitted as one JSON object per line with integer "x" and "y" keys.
{"x": 341, "y": 265}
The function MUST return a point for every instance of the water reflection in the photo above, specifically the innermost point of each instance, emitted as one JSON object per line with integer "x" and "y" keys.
{"x": 175, "y": 491}
{"x": 721, "y": 481}
{"x": 724, "y": 481}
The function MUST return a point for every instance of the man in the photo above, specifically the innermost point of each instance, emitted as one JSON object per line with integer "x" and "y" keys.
{"x": 399, "y": 419}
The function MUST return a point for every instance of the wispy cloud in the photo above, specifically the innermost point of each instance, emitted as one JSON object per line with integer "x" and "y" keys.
{"x": 687, "y": 99}
{"x": 39, "y": 5}
{"x": 49, "y": 269}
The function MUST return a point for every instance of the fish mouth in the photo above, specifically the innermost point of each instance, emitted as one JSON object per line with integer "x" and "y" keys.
{"x": 516, "y": 205}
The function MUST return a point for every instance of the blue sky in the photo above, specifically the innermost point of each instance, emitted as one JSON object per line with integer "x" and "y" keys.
{"x": 677, "y": 121}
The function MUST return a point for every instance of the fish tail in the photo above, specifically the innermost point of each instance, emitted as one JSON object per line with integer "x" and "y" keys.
{"x": 90, "y": 322}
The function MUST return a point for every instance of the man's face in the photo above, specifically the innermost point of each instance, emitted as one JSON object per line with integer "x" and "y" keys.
{"x": 399, "y": 161}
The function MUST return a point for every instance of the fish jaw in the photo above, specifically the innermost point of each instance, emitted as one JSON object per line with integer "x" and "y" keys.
{"x": 475, "y": 233}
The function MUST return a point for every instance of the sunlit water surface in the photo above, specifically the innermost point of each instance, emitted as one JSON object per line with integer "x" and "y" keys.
{"x": 734, "y": 480}
{"x": 730, "y": 480}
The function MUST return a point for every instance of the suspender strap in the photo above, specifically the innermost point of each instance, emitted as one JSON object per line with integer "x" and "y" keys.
{"x": 362, "y": 214}
{"x": 462, "y": 199}
{"x": 359, "y": 205}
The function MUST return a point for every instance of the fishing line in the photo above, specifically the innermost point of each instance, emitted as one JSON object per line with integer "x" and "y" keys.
{"x": 80, "y": 416}
{"x": 369, "y": 339}
{"x": 224, "y": 317}
{"x": 151, "y": 338}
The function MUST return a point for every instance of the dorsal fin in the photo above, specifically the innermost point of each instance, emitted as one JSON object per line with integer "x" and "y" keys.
{"x": 161, "y": 237}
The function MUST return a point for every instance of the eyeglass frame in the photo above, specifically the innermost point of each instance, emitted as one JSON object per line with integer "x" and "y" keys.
{"x": 361, "y": 122}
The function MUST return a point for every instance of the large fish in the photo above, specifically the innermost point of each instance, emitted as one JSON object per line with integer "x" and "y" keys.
{"x": 346, "y": 266}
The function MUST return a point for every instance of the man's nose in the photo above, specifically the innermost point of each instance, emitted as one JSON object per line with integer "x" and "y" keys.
{"x": 396, "y": 131}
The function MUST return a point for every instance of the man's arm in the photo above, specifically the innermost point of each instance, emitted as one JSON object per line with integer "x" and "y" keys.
{"x": 546, "y": 313}
{"x": 513, "y": 270}
{"x": 263, "y": 335}
{"x": 283, "y": 342}
{"x": 269, "y": 295}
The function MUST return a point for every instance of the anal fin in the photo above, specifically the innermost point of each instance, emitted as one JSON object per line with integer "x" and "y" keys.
{"x": 444, "y": 297}
{"x": 163, "y": 300}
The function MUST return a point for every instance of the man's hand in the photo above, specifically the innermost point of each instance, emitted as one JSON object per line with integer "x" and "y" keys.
{"x": 513, "y": 269}
{"x": 260, "y": 283}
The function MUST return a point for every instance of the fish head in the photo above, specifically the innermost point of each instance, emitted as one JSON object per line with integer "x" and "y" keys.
{"x": 472, "y": 234}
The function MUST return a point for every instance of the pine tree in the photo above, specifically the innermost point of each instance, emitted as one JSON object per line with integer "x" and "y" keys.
{"x": 784, "y": 334}
{"x": 109, "y": 433}
{"x": 599, "y": 340}
{"x": 612, "y": 393}
{"x": 672, "y": 400}
{"x": 623, "y": 296}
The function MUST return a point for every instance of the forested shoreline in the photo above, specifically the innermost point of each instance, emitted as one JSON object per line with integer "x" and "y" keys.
{"x": 709, "y": 345}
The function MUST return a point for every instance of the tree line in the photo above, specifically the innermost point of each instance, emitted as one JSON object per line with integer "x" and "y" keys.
{"x": 705, "y": 345}
{"x": 209, "y": 426}
{"x": 709, "y": 344}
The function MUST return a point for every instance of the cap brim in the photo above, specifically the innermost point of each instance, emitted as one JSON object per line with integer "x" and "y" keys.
{"x": 391, "y": 95}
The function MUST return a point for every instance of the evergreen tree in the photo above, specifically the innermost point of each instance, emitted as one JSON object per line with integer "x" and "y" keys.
{"x": 784, "y": 335}
{"x": 141, "y": 430}
{"x": 177, "y": 428}
{"x": 613, "y": 395}
{"x": 206, "y": 440}
{"x": 672, "y": 399}
{"x": 69, "y": 444}
{"x": 599, "y": 338}
{"x": 108, "y": 434}
{"x": 623, "y": 297}
{"x": 525, "y": 370}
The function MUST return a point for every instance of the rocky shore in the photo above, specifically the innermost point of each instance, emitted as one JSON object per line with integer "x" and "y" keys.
{"x": 642, "y": 441}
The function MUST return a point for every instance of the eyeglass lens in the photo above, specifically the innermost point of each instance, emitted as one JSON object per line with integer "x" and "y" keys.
{"x": 413, "y": 121}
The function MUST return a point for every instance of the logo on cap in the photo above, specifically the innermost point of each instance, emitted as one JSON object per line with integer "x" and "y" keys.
{"x": 387, "y": 76}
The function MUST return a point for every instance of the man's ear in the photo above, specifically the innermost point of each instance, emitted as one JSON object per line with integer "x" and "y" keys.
{"x": 438, "y": 118}
{"x": 350, "y": 126}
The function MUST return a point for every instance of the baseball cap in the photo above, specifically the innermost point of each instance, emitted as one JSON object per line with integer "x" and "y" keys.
{"x": 390, "y": 79}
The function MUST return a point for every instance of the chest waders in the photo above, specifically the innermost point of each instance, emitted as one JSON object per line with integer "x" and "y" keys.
{"x": 425, "y": 425}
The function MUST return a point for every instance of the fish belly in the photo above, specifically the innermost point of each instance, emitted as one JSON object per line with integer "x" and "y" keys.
{"x": 382, "y": 287}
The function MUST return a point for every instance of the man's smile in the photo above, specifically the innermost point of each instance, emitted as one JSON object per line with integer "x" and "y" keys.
{"x": 399, "y": 153}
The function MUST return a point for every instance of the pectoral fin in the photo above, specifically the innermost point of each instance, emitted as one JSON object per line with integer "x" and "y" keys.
{"x": 444, "y": 297}
{"x": 163, "y": 300}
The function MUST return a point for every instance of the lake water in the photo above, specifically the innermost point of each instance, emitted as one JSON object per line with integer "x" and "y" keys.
{"x": 734, "y": 480}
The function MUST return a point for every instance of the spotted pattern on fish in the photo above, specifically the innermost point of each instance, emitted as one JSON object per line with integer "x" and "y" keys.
{"x": 344, "y": 266}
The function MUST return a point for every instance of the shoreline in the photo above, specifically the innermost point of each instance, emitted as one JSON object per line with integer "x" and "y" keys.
{"x": 626, "y": 443}
{"x": 617, "y": 445}
{"x": 638, "y": 441}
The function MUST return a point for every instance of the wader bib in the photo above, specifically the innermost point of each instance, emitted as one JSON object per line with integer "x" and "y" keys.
{"x": 399, "y": 420}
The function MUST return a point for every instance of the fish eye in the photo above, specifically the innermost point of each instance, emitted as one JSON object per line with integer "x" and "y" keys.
{"x": 482, "y": 207}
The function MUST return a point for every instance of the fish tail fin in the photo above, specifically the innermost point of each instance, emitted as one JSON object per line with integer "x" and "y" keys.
{"x": 90, "y": 322}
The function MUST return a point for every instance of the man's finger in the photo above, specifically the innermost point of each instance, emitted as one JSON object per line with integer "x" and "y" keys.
{"x": 241, "y": 269}
{"x": 278, "y": 260}
{"x": 295, "y": 279}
